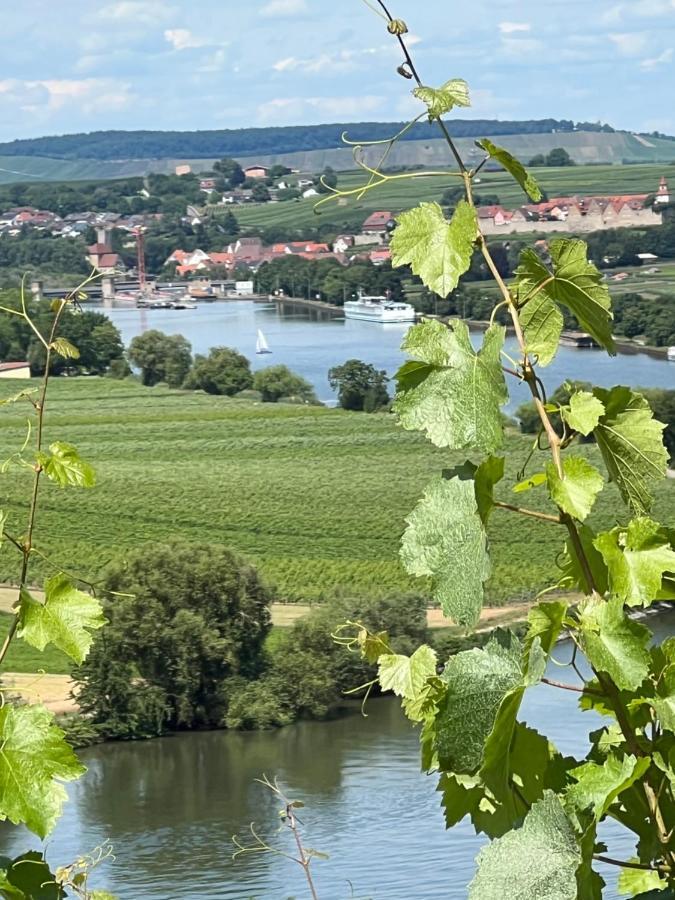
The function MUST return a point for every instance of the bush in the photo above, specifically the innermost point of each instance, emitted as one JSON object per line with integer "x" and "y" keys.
{"x": 183, "y": 619}
{"x": 360, "y": 386}
{"x": 250, "y": 394}
{"x": 223, "y": 371}
{"x": 119, "y": 369}
{"x": 278, "y": 382}
{"x": 161, "y": 357}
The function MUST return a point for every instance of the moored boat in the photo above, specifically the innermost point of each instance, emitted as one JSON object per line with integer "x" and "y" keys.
{"x": 379, "y": 309}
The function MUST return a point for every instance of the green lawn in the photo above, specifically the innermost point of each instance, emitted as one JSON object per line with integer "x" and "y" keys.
{"x": 21, "y": 657}
{"x": 400, "y": 195}
{"x": 316, "y": 497}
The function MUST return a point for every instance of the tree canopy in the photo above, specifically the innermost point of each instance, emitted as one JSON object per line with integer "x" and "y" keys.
{"x": 161, "y": 357}
{"x": 223, "y": 371}
{"x": 360, "y": 385}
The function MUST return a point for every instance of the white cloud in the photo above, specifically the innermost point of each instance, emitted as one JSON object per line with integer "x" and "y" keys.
{"x": 89, "y": 94}
{"x": 656, "y": 61}
{"x": 282, "y": 8}
{"x": 640, "y": 9}
{"x": 330, "y": 63}
{"x": 145, "y": 12}
{"x": 630, "y": 43}
{"x": 513, "y": 27}
{"x": 183, "y": 39}
{"x": 319, "y": 109}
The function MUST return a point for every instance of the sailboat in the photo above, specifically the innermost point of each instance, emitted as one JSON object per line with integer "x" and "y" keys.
{"x": 261, "y": 345}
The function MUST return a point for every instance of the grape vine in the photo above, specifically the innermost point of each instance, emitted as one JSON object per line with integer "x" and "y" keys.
{"x": 540, "y": 809}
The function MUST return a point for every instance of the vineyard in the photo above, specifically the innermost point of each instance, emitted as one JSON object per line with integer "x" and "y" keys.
{"x": 315, "y": 497}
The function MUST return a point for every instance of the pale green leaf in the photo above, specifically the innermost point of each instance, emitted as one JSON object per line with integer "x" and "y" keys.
{"x": 613, "y": 643}
{"x": 576, "y": 493}
{"x": 596, "y": 787}
{"x": 33, "y": 755}
{"x": 527, "y": 484}
{"x": 631, "y": 443}
{"x": 406, "y": 676}
{"x": 445, "y": 540}
{"x": 373, "y": 645}
{"x": 637, "y": 558}
{"x": 64, "y": 619}
{"x": 441, "y": 100}
{"x": 478, "y": 682}
{"x": 584, "y": 412}
{"x": 546, "y": 623}
{"x": 514, "y": 167}
{"x": 63, "y": 465}
{"x": 65, "y": 348}
{"x": 437, "y": 250}
{"x": 638, "y": 881}
{"x": 457, "y": 402}
{"x": 485, "y": 476}
{"x": 575, "y": 283}
{"x": 538, "y": 860}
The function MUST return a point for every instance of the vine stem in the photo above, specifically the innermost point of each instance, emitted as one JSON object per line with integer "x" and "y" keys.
{"x": 624, "y": 864}
{"x": 533, "y": 513}
{"x": 304, "y": 861}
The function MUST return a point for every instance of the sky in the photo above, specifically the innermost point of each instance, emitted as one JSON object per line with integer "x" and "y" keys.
{"x": 79, "y": 65}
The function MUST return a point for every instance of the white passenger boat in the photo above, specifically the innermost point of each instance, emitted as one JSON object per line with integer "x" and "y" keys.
{"x": 379, "y": 309}
{"x": 671, "y": 354}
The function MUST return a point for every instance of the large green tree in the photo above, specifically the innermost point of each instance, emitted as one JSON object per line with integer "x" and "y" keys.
{"x": 223, "y": 371}
{"x": 360, "y": 385}
{"x": 278, "y": 382}
{"x": 183, "y": 619}
{"x": 161, "y": 357}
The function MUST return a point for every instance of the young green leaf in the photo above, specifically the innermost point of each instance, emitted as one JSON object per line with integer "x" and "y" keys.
{"x": 584, "y": 412}
{"x": 64, "y": 619}
{"x": 457, "y": 402}
{"x": 613, "y": 643}
{"x": 33, "y": 754}
{"x": 445, "y": 540}
{"x": 437, "y": 250}
{"x": 63, "y": 465}
{"x": 576, "y": 493}
{"x": 514, "y": 167}
{"x": 478, "y": 682}
{"x": 596, "y": 786}
{"x": 546, "y": 623}
{"x": 485, "y": 476}
{"x": 575, "y": 283}
{"x": 407, "y": 675}
{"x": 527, "y": 484}
{"x": 631, "y": 442}
{"x": 636, "y": 882}
{"x": 538, "y": 860}
{"x": 574, "y": 572}
{"x": 64, "y": 348}
{"x": 8, "y": 891}
{"x": 637, "y": 558}
{"x": 441, "y": 100}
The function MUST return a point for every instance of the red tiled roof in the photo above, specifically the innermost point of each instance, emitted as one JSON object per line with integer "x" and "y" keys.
{"x": 8, "y": 366}
{"x": 97, "y": 249}
{"x": 222, "y": 259}
{"x": 107, "y": 260}
{"x": 377, "y": 220}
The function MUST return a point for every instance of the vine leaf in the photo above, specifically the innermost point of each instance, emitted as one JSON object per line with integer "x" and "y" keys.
{"x": 29, "y": 877}
{"x": 613, "y": 643}
{"x": 480, "y": 683}
{"x": 596, "y": 786}
{"x": 576, "y": 493}
{"x": 64, "y": 619}
{"x": 407, "y": 677}
{"x": 514, "y": 167}
{"x": 546, "y": 622}
{"x": 33, "y": 753}
{"x": 540, "y": 859}
{"x": 441, "y": 100}
{"x": 664, "y": 701}
{"x": 64, "y": 466}
{"x": 485, "y": 477}
{"x": 445, "y": 539}
{"x": 636, "y": 882}
{"x": 437, "y": 250}
{"x": 65, "y": 348}
{"x": 631, "y": 442}
{"x": 574, "y": 573}
{"x": 575, "y": 283}
{"x": 584, "y": 412}
{"x": 637, "y": 558}
{"x": 451, "y": 392}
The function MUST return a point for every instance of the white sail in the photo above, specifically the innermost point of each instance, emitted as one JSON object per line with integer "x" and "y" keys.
{"x": 261, "y": 345}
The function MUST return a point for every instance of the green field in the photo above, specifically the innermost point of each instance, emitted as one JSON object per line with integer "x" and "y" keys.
{"x": 400, "y": 195}
{"x": 21, "y": 657}
{"x": 316, "y": 497}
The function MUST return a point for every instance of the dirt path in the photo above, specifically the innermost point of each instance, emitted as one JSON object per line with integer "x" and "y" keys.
{"x": 51, "y": 690}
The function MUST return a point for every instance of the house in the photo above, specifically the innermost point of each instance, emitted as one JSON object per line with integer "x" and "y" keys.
{"x": 310, "y": 192}
{"x": 101, "y": 256}
{"x": 663, "y": 194}
{"x": 208, "y": 185}
{"x": 14, "y": 370}
{"x": 380, "y": 256}
{"x": 305, "y": 182}
{"x": 378, "y": 223}
{"x": 256, "y": 172}
{"x": 248, "y": 250}
{"x": 183, "y": 169}
{"x": 342, "y": 243}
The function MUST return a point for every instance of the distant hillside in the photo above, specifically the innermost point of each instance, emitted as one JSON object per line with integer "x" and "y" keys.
{"x": 585, "y": 147}
{"x": 119, "y": 145}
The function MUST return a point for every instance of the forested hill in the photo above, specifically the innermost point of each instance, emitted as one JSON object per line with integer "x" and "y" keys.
{"x": 124, "y": 145}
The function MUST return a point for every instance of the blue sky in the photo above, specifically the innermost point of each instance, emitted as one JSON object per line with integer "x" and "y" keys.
{"x": 80, "y": 65}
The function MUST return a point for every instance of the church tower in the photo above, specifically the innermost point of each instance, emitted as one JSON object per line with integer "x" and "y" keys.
{"x": 663, "y": 194}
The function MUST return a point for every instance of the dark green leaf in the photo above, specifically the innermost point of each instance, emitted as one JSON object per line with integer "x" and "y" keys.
{"x": 458, "y": 402}
{"x": 539, "y": 860}
{"x": 514, "y": 167}
{"x": 637, "y": 557}
{"x": 31, "y": 879}
{"x": 574, "y": 573}
{"x": 485, "y": 476}
{"x": 64, "y": 619}
{"x": 33, "y": 754}
{"x": 596, "y": 786}
{"x": 437, "y": 250}
{"x": 445, "y": 540}
{"x": 631, "y": 443}
{"x": 546, "y": 623}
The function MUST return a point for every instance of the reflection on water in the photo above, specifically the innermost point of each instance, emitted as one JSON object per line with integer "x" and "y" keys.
{"x": 310, "y": 341}
{"x": 171, "y": 806}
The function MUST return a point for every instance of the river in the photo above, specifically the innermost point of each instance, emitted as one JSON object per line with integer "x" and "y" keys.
{"x": 310, "y": 341}
{"x": 171, "y": 806}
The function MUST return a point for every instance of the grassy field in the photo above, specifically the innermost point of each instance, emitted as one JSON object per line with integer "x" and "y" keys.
{"x": 315, "y": 497}
{"x": 400, "y": 195}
